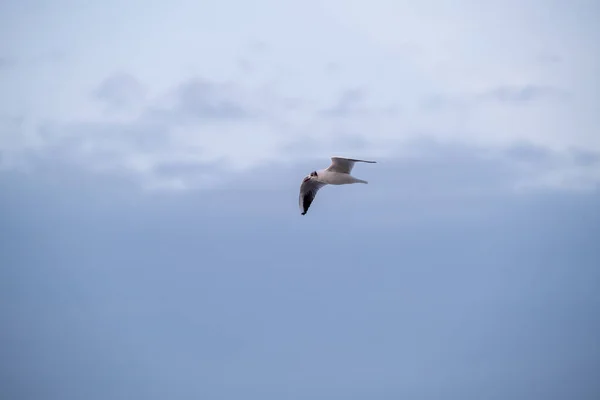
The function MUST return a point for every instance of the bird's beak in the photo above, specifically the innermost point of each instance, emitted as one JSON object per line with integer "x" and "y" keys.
{"x": 306, "y": 179}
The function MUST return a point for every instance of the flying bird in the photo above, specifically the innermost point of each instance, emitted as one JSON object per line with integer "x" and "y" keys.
{"x": 338, "y": 173}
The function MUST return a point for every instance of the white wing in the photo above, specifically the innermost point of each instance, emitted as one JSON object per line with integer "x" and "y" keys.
{"x": 308, "y": 191}
{"x": 344, "y": 165}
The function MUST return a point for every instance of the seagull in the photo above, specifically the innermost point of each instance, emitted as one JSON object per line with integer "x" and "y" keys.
{"x": 338, "y": 173}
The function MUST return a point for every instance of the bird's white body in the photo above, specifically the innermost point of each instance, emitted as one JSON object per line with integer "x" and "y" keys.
{"x": 338, "y": 173}
{"x": 336, "y": 178}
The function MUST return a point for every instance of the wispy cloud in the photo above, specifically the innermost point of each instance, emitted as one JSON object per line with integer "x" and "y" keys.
{"x": 586, "y": 158}
{"x": 540, "y": 167}
{"x": 503, "y": 94}
{"x": 528, "y": 152}
{"x": 550, "y": 59}
{"x": 208, "y": 100}
{"x": 170, "y": 142}
{"x": 120, "y": 91}
{"x": 520, "y": 94}
{"x": 353, "y": 102}
{"x": 350, "y": 102}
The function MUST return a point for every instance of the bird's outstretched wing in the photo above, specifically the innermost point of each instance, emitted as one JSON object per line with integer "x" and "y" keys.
{"x": 344, "y": 165}
{"x": 308, "y": 191}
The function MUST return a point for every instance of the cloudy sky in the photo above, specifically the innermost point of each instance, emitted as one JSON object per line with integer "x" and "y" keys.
{"x": 152, "y": 246}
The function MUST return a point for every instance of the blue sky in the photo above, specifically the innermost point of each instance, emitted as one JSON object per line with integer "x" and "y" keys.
{"x": 152, "y": 245}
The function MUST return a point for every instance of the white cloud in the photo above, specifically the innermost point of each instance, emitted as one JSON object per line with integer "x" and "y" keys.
{"x": 487, "y": 75}
{"x": 120, "y": 92}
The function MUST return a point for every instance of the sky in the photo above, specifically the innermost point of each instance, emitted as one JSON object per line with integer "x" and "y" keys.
{"x": 152, "y": 245}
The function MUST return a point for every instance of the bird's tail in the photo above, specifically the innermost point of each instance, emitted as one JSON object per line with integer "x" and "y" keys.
{"x": 356, "y": 180}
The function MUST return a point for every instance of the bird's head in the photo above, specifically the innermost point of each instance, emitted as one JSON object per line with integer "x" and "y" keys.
{"x": 312, "y": 175}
